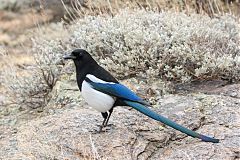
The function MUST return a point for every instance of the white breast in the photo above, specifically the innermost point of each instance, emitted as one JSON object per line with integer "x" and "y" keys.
{"x": 98, "y": 100}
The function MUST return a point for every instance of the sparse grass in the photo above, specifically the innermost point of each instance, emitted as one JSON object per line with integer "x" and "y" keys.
{"x": 112, "y": 7}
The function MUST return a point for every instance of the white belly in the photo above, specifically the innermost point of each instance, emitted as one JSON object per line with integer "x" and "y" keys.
{"x": 97, "y": 100}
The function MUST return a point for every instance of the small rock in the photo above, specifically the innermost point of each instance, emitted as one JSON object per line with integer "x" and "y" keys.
{"x": 233, "y": 94}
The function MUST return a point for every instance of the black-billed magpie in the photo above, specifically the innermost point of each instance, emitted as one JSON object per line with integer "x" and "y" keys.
{"x": 103, "y": 92}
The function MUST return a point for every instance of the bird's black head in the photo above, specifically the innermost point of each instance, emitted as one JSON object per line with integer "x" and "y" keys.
{"x": 81, "y": 58}
{"x": 77, "y": 55}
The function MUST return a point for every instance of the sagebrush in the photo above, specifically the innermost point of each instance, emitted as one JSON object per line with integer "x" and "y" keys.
{"x": 170, "y": 46}
{"x": 32, "y": 88}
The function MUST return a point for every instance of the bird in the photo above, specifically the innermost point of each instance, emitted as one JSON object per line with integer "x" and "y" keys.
{"x": 103, "y": 92}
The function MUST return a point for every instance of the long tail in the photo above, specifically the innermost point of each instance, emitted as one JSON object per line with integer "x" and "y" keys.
{"x": 141, "y": 108}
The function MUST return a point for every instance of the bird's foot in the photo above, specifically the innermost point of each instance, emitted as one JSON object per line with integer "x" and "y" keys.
{"x": 100, "y": 129}
{"x": 103, "y": 128}
{"x": 108, "y": 125}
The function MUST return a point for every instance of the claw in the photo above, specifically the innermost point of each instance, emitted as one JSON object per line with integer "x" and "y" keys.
{"x": 100, "y": 129}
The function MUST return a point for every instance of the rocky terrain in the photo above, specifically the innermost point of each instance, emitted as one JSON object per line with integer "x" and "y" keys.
{"x": 70, "y": 133}
{"x": 66, "y": 127}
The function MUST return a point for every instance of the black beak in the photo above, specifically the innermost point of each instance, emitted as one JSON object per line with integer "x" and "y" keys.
{"x": 69, "y": 56}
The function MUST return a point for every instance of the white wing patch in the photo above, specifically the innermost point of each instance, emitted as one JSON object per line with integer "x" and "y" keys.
{"x": 95, "y": 79}
{"x": 98, "y": 100}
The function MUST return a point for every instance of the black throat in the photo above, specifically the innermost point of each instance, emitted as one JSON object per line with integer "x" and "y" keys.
{"x": 81, "y": 71}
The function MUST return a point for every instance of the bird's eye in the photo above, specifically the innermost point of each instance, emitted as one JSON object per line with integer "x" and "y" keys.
{"x": 80, "y": 54}
{"x": 77, "y": 54}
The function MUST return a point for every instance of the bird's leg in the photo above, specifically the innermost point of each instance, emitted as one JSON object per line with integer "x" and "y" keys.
{"x": 109, "y": 115}
{"x": 105, "y": 116}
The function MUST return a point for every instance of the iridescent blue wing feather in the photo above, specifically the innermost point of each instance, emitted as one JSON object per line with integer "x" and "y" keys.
{"x": 116, "y": 90}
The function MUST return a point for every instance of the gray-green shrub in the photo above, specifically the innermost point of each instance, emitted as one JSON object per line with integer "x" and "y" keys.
{"x": 173, "y": 46}
{"x": 32, "y": 89}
